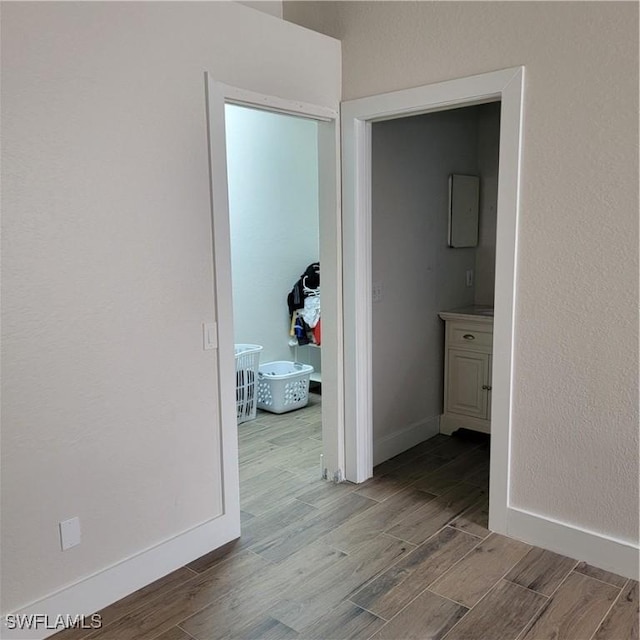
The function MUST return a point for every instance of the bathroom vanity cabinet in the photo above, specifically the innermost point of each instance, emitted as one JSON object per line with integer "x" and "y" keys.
{"x": 467, "y": 369}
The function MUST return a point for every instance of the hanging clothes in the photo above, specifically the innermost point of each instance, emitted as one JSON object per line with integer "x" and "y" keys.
{"x": 308, "y": 282}
{"x": 304, "y": 305}
{"x": 310, "y": 313}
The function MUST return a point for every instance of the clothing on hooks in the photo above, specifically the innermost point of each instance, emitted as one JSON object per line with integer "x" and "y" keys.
{"x": 304, "y": 305}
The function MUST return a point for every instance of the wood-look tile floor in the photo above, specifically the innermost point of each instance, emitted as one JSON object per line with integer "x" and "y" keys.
{"x": 405, "y": 556}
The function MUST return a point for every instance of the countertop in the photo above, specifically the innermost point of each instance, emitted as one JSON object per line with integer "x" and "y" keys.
{"x": 473, "y": 312}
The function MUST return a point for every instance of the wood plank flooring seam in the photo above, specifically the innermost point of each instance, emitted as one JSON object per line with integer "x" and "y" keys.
{"x": 615, "y": 586}
{"x": 381, "y": 571}
{"x": 252, "y": 552}
{"x": 185, "y": 631}
{"x": 554, "y": 591}
{"x": 295, "y": 472}
{"x": 418, "y": 595}
{"x": 531, "y": 622}
{"x": 377, "y": 615}
{"x": 279, "y": 507}
{"x": 629, "y": 628}
{"x": 410, "y": 602}
{"x": 399, "y": 560}
{"x": 494, "y": 584}
{"x": 480, "y": 541}
{"x": 606, "y": 576}
{"x": 424, "y": 587}
{"x": 540, "y": 611}
{"x": 526, "y": 626}
{"x": 406, "y": 606}
{"x": 313, "y": 505}
{"x": 480, "y": 538}
{"x": 498, "y": 582}
{"x": 460, "y": 604}
{"x": 413, "y": 544}
{"x": 622, "y": 589}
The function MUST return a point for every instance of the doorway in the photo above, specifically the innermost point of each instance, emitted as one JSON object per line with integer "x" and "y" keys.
{"x": 358, "y": 117}
{"x": 220, "y": 95}
{"x": 417, "y": 274}
{"x": 272, "y": 175}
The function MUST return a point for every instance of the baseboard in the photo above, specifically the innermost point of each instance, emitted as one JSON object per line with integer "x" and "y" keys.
{"x": 113, "y": 583}
{"x": 395, "y": 443}
{"x": 601, "y": 551}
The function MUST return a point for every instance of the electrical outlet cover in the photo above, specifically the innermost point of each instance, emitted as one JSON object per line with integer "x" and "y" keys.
{"x": 70, "y": 533}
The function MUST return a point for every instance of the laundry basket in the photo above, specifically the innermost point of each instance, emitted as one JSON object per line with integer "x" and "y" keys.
{"x": 247, "y": 362}
{"x": 283, "y": 386}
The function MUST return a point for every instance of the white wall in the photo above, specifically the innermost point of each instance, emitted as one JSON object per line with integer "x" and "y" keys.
{"x": 273, "y": 210}
{"x": 272, "y": 7}
{"x": 420, "y": 274}
{"x": 488, "y": 153}
{"x": 575, "y": 408}
{"x": 109, "y": 410}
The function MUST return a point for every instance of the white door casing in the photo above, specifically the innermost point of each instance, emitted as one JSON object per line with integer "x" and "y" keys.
{"x": 357, "y": 116}
{"x": 219, "y": 94}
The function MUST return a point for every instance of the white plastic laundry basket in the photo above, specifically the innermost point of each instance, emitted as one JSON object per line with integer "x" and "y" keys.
{"x": 247, "y": 362}
{"x": 283, "y": 386}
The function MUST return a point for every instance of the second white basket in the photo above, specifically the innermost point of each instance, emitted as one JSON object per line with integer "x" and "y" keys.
{"x": 247, "y": 360}
{"x": 283, "y": 386}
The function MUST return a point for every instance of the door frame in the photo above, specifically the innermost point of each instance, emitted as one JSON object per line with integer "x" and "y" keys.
{"x": 507, "y": 86}
{"x": 218, "y": 95}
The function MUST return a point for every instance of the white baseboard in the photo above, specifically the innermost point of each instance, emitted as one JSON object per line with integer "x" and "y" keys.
{"x": 113, "y": 583}
{"x": 601, "y": 551}
{"x": 395, "y": 443}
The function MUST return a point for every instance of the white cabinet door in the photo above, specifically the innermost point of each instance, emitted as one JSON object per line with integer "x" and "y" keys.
{"x": 467, "y": 374}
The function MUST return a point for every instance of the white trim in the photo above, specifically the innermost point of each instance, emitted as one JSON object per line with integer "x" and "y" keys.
{"x": 332, "y": 352}
{"x": 236, "y": 95}
{"x": 506, "y": 85}
{"x": 356, "y": 233}
{"x": 223, "y": 312}
{"x": 119, "y": 580}
{"x": 599, "y": 550}
{"x": 399, "y": 441}
{"x": 502, "y": 382}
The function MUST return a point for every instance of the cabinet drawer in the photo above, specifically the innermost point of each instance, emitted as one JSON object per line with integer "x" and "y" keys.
{"x": 469, "y": 337}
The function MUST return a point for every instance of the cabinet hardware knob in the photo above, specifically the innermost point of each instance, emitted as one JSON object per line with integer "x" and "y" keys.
{"x": 469, "y": 336}
{"x": 487, "y": 387}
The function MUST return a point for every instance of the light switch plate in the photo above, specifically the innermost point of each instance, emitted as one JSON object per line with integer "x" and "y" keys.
{"x": 376, "y": 295}
{"x": 210, "y": 335}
